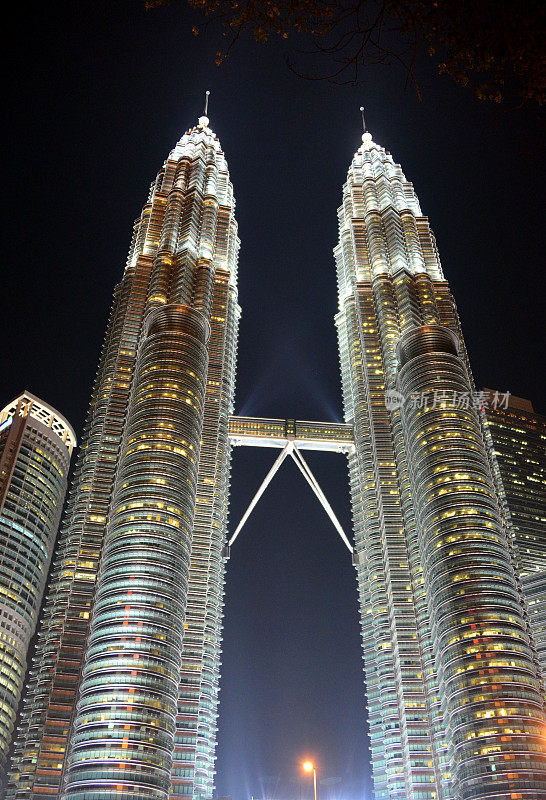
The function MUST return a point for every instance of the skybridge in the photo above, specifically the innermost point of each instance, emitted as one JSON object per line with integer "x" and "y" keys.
{"x": 291, "y": 436}
{"x": 333, "y": 437}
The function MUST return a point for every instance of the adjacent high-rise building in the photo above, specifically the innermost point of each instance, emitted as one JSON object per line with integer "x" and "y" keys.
{"x": 519, "y": 441}
{"x": 123, "y": 693}
{"x": 137, "y": 643}
{"x": 36, "y": 444}
{"x": 454, "y": 693}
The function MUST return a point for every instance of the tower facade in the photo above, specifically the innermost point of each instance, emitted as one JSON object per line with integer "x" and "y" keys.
{"x": 36, "y": 444}
{"x": 454, "y": 693}
{"x": 123, "y": 691}
{"x": 122, "y": 697}
{"x": 519, "y": 441}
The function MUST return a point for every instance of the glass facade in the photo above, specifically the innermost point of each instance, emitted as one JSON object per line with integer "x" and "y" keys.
{"x": 123, "y": 692}
{"x": 518, "y": 434}
{"x": 36, "y": 444}
{"x": 454, "y": 693}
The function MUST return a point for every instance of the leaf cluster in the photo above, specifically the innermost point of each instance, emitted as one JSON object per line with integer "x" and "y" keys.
{"x": 496, "y": 47}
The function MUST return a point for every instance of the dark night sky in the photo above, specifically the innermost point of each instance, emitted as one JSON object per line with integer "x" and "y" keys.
{"x": 98, "y": 94}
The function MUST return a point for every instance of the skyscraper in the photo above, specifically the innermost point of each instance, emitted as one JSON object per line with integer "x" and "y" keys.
{"x": 122, "y": 700}
{"x": 519, "y": 441}
{"x": 454, "y": 695}
{"x": 36, "y": 444}
{"x": 155, "y": 448}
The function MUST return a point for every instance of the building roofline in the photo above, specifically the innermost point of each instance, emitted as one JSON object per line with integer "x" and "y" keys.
{"x": 63, "y": 429}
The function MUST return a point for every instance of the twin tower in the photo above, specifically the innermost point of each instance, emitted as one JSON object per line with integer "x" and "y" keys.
{"x": 123, "y": 692}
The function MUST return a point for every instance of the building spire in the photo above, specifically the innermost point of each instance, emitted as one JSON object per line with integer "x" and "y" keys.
{"x": 363, "y": 120}
{"x": 204, "y": 120}
{"x": 366, "y": 136}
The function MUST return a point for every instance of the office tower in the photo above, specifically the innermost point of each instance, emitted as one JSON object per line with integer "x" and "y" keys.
{"x": 122, "y": 701}
{"x": 154, "y": 450}
{"x": 454, "y": 694}
{"x": 519, "y": 441}
{"x": 36, "y": 444}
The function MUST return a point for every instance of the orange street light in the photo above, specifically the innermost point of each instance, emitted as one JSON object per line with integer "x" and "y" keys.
{"x": 308, "y": 766}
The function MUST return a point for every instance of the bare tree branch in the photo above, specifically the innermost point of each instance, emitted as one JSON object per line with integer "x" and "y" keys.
{"x": 495, "y": 47}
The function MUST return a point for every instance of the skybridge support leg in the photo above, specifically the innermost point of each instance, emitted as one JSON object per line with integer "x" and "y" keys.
{"x": 290, "y": 449}
{"x": 267, "y": 480}
{"x": 313, "y": 483}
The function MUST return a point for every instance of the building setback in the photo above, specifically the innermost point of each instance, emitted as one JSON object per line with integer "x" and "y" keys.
{"x": 519, "y": 441}
{"x": 152, "y": 475}
{"x": 36, "y": 444}
{"x": 454, "y": 694}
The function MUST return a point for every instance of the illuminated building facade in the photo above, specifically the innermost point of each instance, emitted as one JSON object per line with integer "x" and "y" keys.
{"x": 138, "y": 642}
{"x": 454, "y": 694}
{"x": 123, "y": 694}
{"x": 519, "y": 441}
{"x": 36, "y": 444}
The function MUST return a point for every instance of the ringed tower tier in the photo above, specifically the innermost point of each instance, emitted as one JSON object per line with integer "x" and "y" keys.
{"x": 123, "y": 691}
{"x": 454, "y": 692}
